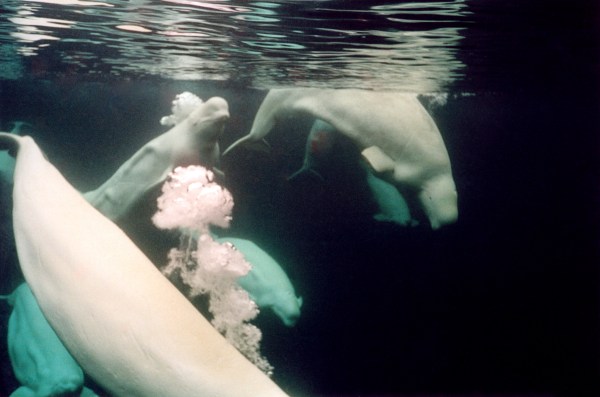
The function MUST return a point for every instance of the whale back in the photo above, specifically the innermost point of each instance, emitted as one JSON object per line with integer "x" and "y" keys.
{"x": 132, "y": 331}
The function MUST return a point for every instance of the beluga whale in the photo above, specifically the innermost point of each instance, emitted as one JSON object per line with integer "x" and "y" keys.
{"x": 193, "y": 139}
{"x": 396, "y": 135}
{"x": 123, "y": 322}
{"x": 267, "y": 283}
{"x": 39, "y": 359}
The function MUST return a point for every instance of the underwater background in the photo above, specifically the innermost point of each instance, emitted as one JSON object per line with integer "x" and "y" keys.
{"x": 503, "y": 302}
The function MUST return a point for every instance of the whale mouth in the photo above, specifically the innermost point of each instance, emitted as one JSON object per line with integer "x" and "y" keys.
{"x": 222, "y": 116}
{"x": 216, "y": 119}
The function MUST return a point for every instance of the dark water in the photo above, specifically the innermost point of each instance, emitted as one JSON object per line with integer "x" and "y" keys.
{"x": 505, "y": 301}
{"x": 420, "y": 46}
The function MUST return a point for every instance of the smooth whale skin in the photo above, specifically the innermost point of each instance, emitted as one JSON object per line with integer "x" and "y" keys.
{"x": 127, "y": 326}
{"x": 396, "y": 135}
{"x": 267, "y": 283}
{"x": 192, "y": 141}
{"x": 39, "y": 359}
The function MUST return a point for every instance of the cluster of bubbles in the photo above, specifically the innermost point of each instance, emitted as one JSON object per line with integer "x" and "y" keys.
{"x": 192, "y": 201}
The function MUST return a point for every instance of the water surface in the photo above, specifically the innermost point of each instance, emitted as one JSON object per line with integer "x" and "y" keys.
{"x": 417, "y": 46}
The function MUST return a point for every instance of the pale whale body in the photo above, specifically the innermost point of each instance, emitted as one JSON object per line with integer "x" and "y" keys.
{"x": 127, "y": 326}
{"x": 194, "y": 140}
{"x": 267, "y": 283}
{"x": 39, "y": 359}
{"x": 396, "y": 135}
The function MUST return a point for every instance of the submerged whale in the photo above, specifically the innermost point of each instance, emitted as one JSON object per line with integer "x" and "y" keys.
{"x": 194, "y": 140}
{"x": 127, "y": 326}
{"x": 39, "y": 359}
{"x": 267, "y": 283}
{"x": 396, "y": 135}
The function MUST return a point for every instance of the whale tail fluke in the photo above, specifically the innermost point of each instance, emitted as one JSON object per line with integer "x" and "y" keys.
{"x": 378, "y": 160}
{"x": 439, "y": 201}
{"x": 305, "y": 171}
{"x": 235, "y": 144}
{"x": 19, "y": 127}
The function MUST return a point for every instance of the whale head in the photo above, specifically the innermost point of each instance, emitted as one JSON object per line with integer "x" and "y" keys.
{"x": 439, "y": 200}
{"x": 209, "y": 117}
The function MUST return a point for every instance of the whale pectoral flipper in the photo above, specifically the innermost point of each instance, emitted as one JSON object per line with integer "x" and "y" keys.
{"x": 237, "y": 143}
{"x": 248, "y": 141}
{"x": 260, "y": 146}
{"x": 378, "y": 160}
{"x": 264, "y": 121}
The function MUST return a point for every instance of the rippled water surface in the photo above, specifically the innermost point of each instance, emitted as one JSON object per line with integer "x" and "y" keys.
{"x": 418, "y": 46}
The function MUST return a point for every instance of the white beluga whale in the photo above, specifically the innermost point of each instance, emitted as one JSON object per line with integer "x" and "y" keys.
{"x": 127, "y": 326}
{"x": 39, "y": 359}
{"x": 193, "y": 140}
{"x": 396, "y": 135}
{"x": 267, "y": 283}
